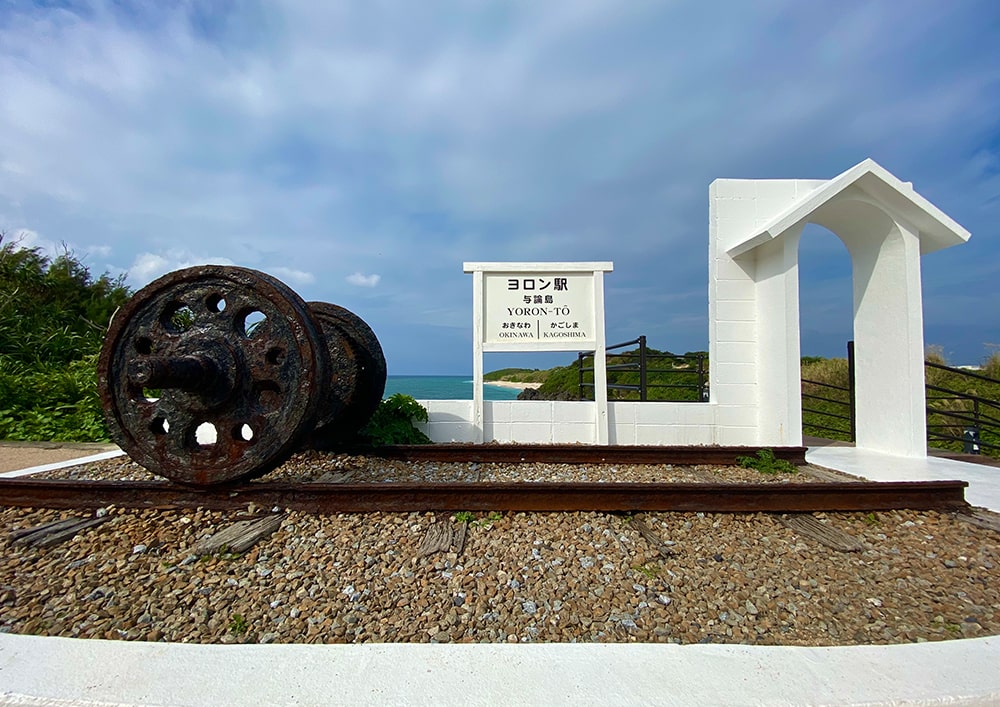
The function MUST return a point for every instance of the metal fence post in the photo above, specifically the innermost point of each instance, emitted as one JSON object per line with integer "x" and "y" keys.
{"x": 642, "y": 368}
{"x": 851, "y": 390}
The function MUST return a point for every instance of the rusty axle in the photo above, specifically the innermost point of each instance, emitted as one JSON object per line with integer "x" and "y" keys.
{"x": 190, "y": 373}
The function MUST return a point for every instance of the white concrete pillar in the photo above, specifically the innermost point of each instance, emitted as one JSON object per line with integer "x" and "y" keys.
{"x": 778, "y": 368}
{"x": 888, "y": 326}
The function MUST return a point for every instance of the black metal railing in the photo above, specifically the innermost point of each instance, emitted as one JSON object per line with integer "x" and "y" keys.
{"x": 955, "y": 418}
{"x": 960, "y": 417}
{"x": 686, "y": 379}
{"x": 828, "y": 408}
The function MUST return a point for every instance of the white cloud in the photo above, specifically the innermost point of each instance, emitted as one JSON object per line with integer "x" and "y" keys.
{"x": 442, "y": 131}
{"x": 29, "y": 239}
{"x": 363, "y": 280}
{"x": 148, "y": 266}
{"x": 293, "y": 277}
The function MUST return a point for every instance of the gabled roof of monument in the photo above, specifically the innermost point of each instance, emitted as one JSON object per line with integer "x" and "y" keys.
{"x": 937, "y": 230}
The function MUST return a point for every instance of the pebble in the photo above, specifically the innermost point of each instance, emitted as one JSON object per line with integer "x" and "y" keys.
{"x": 522, "y": 577}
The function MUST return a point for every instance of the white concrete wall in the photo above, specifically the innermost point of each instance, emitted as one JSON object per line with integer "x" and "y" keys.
{"x": 753, "y": 313}
{"x": 553, "y": 422}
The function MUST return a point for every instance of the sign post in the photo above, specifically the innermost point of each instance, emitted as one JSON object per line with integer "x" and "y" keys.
{"x": 539, "y": 307}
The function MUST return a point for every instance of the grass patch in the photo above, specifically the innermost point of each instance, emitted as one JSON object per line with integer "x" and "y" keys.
{"x": 766, "y": 463}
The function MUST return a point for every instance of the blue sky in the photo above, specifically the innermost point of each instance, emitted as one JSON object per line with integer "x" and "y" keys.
{"x": 362, "y": 151}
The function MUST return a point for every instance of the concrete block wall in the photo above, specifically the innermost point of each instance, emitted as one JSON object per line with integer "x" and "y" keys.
{"x": 569, "y": 422}
{"x": 753, "y": 313}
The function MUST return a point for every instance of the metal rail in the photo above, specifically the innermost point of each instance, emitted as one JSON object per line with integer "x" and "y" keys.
{"x": 523, "y": 496}
{"x": 577, "y": 453}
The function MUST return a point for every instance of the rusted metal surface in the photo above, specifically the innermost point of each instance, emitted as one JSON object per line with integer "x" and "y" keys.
{"x": 212, "y": 347}
{"x": 578, "y": 453}
{"x": 408, "y": 497}
{"x": 358, "y": 374}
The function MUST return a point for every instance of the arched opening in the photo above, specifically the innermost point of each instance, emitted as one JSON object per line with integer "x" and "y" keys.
{"x": 826, "y": 324}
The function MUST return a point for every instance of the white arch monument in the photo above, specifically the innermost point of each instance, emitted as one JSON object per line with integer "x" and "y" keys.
{"x": 755, "y": 227}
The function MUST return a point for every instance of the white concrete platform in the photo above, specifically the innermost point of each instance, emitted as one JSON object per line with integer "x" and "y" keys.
{"x": 984, "y": 481}
{"x": 60, "y": 671}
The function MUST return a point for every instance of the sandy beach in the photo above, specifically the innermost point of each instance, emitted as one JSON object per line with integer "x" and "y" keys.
{"x": 513, "y": 384}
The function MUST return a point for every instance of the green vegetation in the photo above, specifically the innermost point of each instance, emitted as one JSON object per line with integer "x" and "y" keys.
{"x": 487, "y": 522}
{"x": 668, "y": 377}
{"x": 53, "y": 315}
{"x": 766, "y": 463}
{"x": 945, "y": 410}
{"x": 393, "y": 421}
{"x": 517, "y": 375}
{"x": 649, "y": 572}
{"x": 238, "y": 625}
{"x": 470, "y": 518}
{"x": 822, "y": 418}
{"x": 991, "y": 365}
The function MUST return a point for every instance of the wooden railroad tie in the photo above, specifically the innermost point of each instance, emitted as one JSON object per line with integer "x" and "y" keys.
{"x": 443, "y": 536}
{"x": 810, "y": 526}
{"x": 240, "y": 536}
{"x": 53, "y": 533}
{"x": 639, "y": 523}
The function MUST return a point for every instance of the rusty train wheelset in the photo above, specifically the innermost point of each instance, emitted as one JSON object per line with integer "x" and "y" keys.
{"x": 215, "y": 374}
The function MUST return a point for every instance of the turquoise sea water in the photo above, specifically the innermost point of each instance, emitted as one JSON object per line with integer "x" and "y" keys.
{"x": 444, "y": 388}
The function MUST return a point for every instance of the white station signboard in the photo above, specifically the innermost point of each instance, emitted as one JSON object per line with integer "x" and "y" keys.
{"x": 539, "y": 307}
{"x": 538, "y": 310}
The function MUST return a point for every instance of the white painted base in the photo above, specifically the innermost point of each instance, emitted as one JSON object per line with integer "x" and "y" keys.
{"x": 549, "y": 422}
{"x": 63, "y": 671}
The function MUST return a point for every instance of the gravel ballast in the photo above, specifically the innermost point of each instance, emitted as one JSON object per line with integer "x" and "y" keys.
{"x": 520, "y": 577}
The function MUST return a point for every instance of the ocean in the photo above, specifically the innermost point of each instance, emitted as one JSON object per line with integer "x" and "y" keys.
{"x": 444, "y": 388}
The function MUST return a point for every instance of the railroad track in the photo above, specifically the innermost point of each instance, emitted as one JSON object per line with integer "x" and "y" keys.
{"x": 317, "y": 497}
{"x": 524, "y": 496}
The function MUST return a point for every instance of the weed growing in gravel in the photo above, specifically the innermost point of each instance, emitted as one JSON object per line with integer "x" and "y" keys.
{"x": 237, "y": 625}
{"x": 489, "y": 520}
{"x": 871, "y": 519}
{"x": 648, "y": 571}
{"x": 470, "y": 518}
{"x": 766, "y": 463}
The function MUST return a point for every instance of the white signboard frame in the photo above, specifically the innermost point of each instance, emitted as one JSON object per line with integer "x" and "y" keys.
{"x": 539, "y": 307}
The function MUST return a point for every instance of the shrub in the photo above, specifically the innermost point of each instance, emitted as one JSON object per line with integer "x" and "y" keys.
{"x": 392, "y": 422}
{"x": 53, "y": 315}
{"x": 51, "y": 402}
{"x": 991, "y": 365}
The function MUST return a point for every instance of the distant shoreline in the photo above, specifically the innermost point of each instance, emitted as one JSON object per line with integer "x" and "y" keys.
{"x": 513, "y": 384}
